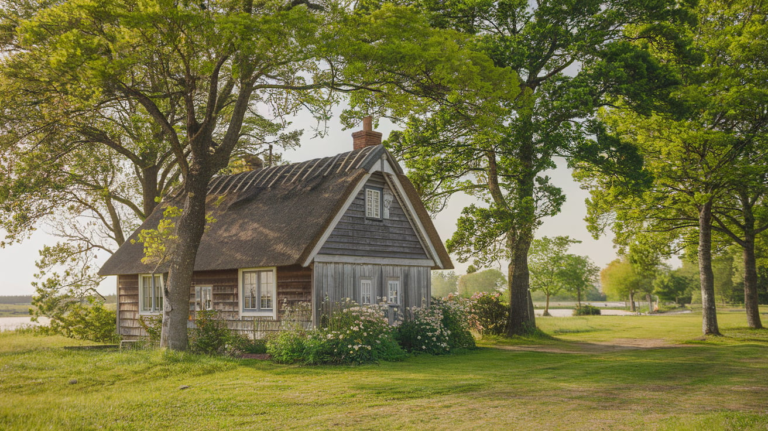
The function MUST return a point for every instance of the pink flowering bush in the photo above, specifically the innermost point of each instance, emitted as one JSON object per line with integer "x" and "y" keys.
{"x": 486, "y": 313}
{"x": 442, "y": 327}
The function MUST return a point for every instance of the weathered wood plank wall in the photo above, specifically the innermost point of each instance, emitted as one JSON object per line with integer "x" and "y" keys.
{"x": 335, "y": 282}
{"x": 294, "y": 286}
{"x": 355, "y": 235}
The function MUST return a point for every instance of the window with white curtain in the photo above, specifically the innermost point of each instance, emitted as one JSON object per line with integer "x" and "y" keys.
{"x": 150, "y": 298}
{"x": 257, "y": 290}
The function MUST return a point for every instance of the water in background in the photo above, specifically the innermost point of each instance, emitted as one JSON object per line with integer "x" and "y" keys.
{"x": 11, "y": 323}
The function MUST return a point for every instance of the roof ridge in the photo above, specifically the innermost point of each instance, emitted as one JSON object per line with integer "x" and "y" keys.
{"x": 291, "y": 172}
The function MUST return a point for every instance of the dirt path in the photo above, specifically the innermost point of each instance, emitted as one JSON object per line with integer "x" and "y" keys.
{"x": 617, "y": 345}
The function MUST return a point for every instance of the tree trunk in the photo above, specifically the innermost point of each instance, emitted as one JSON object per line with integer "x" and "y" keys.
{"x": 650, "y": 303}
{"x": 189, "y": 229}
{"x": 706, "y": 275}
{"x": 546, "y": 307}
{"x": 750, "y": 284}
{"x": 521, "y": 320}
{"x": 632, "y": 302}
{"x": 531, "y": 311}
{"x": 149, "y": 189}
{"x": 578, "y": 297}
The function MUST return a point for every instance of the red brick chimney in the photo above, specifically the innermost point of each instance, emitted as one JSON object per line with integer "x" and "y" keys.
{"x": 366, "y": 137}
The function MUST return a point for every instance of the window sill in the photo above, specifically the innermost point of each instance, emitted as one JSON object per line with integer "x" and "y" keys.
{"x": 257, "y": 314}
{"x": 150, "y": 313}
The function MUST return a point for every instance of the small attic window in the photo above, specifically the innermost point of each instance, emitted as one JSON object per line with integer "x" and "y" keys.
{"x": 373, "y": 203}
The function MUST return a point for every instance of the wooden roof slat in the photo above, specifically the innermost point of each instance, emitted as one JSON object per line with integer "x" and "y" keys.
{"x": 331, "y": 165}
{"x": 252, "y": 173}
{"x": 317, "y": 162}
{"x": 279, "y": 172}
{"x": 341, "y": 165}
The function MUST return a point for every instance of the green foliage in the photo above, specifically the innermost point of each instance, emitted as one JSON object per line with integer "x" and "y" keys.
{"x": 354, "y": 335}
{"x": 586, "y": 310}
{"x": 287, "y": 347}
{"x": 243, "y": 344}
{"x": 579, "y": 275}
{"x": 159, "y": 243}
{"x": 444, "y": 283}
{"x": 210, "y": 335}
{"x": 489, "y": 280}
{"x": 503, "y": 163}
{"x": 553, "y": 270}
{"x": 90, "y": 321}
{"x": 153, "y": 325}
{"x": 706, "y": 157}
{"x": 488, "y": 313}
{"x": 672, "y": 286}
{"x": 621, "y": 279}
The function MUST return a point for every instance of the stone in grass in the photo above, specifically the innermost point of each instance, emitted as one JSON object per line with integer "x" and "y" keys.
{"x": 73, "y": 381}
{"x": 182, "y": 387}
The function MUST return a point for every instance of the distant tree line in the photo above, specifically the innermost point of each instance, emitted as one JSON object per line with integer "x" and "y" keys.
{"x": 27, "y": 299}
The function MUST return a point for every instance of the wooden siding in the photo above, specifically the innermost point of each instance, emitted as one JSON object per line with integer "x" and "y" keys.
{"x": 335, "y": 282}
{"x": 355, "y": 235}
{"x": 294, "y": 286}
{"x": 128, "y": 300}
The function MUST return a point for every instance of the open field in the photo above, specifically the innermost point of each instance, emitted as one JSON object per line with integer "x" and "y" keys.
{"x": 601, "y": 372}
{"x": 14, "y": 310}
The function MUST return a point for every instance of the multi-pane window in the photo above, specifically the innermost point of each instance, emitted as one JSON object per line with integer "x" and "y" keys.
{"x": 373, "y": 203}
{"x": 258, "y": 290}
{"x": 204, "y": 297}
{"x": 151, "y": 297}
{"x": 366, "y": 291}
{"x": 393, "y": 289}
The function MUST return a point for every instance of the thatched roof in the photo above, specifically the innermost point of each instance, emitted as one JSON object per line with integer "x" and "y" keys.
{"x": 274, "y": 216}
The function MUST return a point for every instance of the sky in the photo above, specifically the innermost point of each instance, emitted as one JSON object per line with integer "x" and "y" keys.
{"x": 17, "y": 261}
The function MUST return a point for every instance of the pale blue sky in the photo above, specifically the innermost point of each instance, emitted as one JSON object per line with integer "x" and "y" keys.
{"x": 17, "y": 261}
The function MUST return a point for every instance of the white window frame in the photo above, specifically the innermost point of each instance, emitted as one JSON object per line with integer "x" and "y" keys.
{"x": 390, "y": 282}
{"x": 369, "y": 282}
{"x": 158, "y": 307}
{"x": 200, "y": 298}
{"x": 373, "y": 211}
{"x": 240, "y": 297}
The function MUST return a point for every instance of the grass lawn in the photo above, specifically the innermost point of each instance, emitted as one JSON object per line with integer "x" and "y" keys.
{"x": 600, "y": 372}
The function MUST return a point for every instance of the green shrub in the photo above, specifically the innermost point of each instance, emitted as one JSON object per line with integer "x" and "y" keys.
{"x": 488, "y": 314}
{"x": 287, "y": 347}
{"x": 210, "y": 334}
{"x": 586, "y": 310}
{"x": 239, "y": 344}
{"x": 90, "y": 321}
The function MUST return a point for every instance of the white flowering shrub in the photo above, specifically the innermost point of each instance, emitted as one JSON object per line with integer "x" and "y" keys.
{"x": 361, "y": 334}
{"x": 424, "y": 332}
{"x": 352, "y": 334}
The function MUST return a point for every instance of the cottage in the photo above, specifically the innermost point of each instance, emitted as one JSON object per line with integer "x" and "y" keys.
{"x": 312, "y": 233}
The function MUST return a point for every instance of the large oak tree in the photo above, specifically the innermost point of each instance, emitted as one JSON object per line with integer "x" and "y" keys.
{"x": 572, "y": 57}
